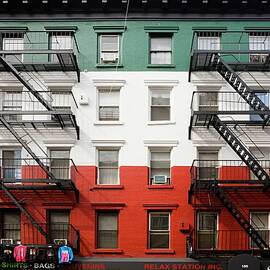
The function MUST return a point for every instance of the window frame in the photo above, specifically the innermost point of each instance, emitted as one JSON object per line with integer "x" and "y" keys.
{"x": 149, "y": 229}
{"x": 209, "y": 34}
{"x": 98, "y": 149}
{"x": 160, "y": 35}
{"x": 98, "y": 212}
{"x": 260, "y": 56}
{"x": 100, "y": 52}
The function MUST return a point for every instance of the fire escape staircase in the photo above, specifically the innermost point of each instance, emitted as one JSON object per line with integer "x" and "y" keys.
{"x": 238, "y": 147}
{"x": 10, "y": 68}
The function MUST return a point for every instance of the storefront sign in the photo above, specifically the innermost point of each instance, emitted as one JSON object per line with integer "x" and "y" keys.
{"x": 25, "y": 265}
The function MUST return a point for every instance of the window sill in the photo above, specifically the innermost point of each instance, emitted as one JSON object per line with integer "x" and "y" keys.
{"x": 108, "y": 187}
{"x": 159, "y": 251}
{"x": 160, "y": 187}
{"x": 108, "y": 251}
{"x": 108, "y": 123}
{"x": 109, "y": 65}
{"x": 161, "y": 66}
{"x": 153, "y": 123}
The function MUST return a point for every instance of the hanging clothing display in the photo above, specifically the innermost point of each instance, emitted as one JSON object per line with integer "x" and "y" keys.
{"x": 65, "y": 254}
{"x": 6, "y": 254}
{"x": 19, "y": 253}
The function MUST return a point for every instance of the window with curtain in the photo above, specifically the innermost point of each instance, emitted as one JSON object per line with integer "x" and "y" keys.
{"x": 209, "y": 40}
{"x": 107, "y": 230}
{"x": 108, "y": 104}
{"x": 259, "y": 41}
{"x": 207, "y": 230}
{"x": 160, "y": 166}
{"x": 10, "y": 224}
{"x": 59, "y": 165}
{"x": 11, "y": 164}
{"x": 161, "y": 50}
{"x": 108, "y": 166}
{"x": 61, "y": 40}
{"x": 109, "y": 49}
{"x": 159, "y": 230}
{"x": 13, "y": 41}
{"x": 160, "y": 105}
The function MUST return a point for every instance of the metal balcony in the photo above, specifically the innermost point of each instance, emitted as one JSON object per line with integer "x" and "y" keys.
{"x": 40, "y": 50}
{"x": 229, "y": 106}
{"x": 28, "y": 234}
{"x": 210, "y": 243}
{"x": 234, "y": 47}
{"x": 26, "y": 174}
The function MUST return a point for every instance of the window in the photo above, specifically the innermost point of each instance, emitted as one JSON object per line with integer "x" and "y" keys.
{"x": 259, "y": 41}
{"x": 264, "y": 97}
{"x": 58, "y": 224}
{"x": 61, "y": 41}
{"x": 108, "y": 166}
{"x": 159, "y": 230}
{"x": 10, "y": 227}
{"x": 109, "y": 49}
{"x": 12, "y": 101}
{"x": 11, "y": 164}
{"x": 161, "y": 50}
{"x": 108, "y": 104}
{"x": 207, "y": 230}
{"x": 160, "y": 166}
{"x": 160, "y": 105}
{"x": 209, "y": 40}
{"x": 60, "y": 163}
{"x": 208, "y": 165}
{"x": 13, "y": 42}
{"x": 261, "y": 222}
{"x": 107, "y": 230}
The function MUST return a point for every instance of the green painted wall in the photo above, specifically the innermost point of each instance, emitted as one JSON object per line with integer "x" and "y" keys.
{"x": 135, "y": 42}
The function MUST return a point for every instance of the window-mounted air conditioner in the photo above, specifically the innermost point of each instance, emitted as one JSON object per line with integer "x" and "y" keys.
{"x": 109, "y": 57}
{"x": 6, "y": 241}
{"x": 159, "y": 179}
{"x": 60, "y": 242}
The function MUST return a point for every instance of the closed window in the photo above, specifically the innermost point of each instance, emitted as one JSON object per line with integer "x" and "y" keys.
{"x": 61, "y": 40}
{"x": 11, "y": 164}
{"x": 59, "y": 164}
{"x": 10, "y": 227}
{"x": 108, "y": 166}
{"x": 208, "y": 165}
{"x": 209, "y": 41}
{"x": 161, "y": 50}
{"x": 160, "y": 166}
{"x": 109, "y": 49}
{"x": 108, "y": 104}
{"x": 258, "y": 41}
{"x": 59, "y": 224}
{"x": 207, "y": 230}
{"x": 160, "y": 105}
{"x": 107, "y": 230}
{"x": 159, "y": 230}
{"x": 12, "y": 101}
{"x": 13, "y": 42}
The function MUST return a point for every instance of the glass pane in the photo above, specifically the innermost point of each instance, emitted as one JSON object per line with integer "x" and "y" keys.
{"x": 264, "y": 97}
{"x": 207, "y": 221}
{"x": 161, "y": 44}
{"x": 107, "y": 221}
{"x": 158, "y": 240}
{"x": 108, "y": 113}
{"x": 159, "y": 58}
{"x": 109, "y": 43}
{"x": 160, "y": 113}
{"x": 108, "y": 176}
{"x": 160, "y": 97}
{"x": 260, "y": 220}
{"x": 107, "y": 239}
{"x": 208, "y": 43}
{"x": 11, "y": 164}
{"x": 207, "y": 240}
{"x": 108, "y": 158}
{"x": 159, "y": 221}
{"x": 160, "y": 171}
{"x": 60, "y": 163}
{"x": 109, "y": 97}
{"x": 11, "y": 225}
{"x": 61, "y": 42}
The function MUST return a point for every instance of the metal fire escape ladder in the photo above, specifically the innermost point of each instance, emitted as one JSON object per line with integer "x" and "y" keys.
{"x": 240, "y": 86}
{"x": 240, "y": 218}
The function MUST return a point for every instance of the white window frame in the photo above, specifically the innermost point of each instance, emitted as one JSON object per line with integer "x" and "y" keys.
{"x": 10, "y": 38}
{"x": 112, "y": 148}
{"x": 260, "y": 56}
{"x": 149, "y": 228}
{"x": 151, "y": 89}
{"x": 216, "y": 44}
{"x": 118, "y": 49}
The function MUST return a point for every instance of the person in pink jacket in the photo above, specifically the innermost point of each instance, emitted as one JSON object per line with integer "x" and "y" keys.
{"x": 19, "y": 253}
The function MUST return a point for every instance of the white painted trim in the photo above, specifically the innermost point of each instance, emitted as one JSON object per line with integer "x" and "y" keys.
{"x": 108, "y": 123}
{"x": 160, "y": 143}
{"x": 59, "y": 143}
{"x": 154, "y": 123}
{"x": 108, "y": 143}
{"x": 108, "y": 82}
{"x": 198, "y": 143}
{"x": 166, "y": 83}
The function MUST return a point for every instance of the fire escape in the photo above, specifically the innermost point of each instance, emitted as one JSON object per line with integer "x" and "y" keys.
{"x": 24, "y": 54}
{"x": 228, "y": 113}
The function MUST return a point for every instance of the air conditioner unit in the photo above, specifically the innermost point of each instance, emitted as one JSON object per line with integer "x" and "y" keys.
{"x": 6, "y": 241}
{"x": 60, "y": 242}
{"x": 160, "y": 179}
{"x": 109, "y": 57}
